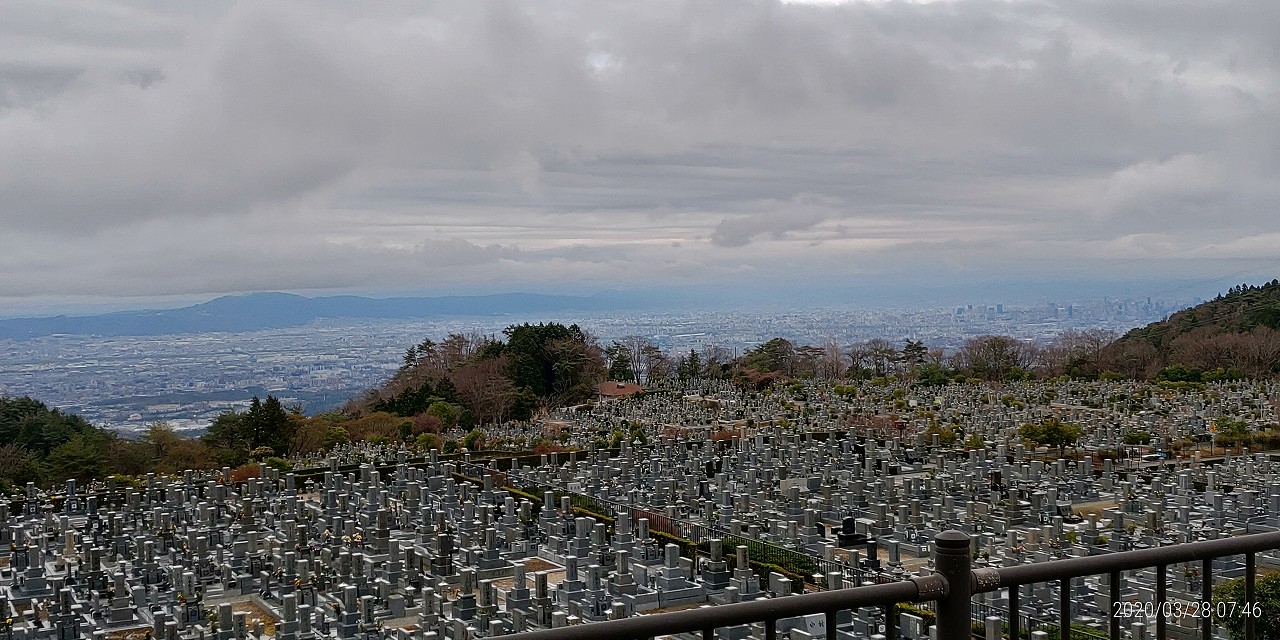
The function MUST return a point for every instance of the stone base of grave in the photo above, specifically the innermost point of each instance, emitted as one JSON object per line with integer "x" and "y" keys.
{"x": 680, "y": 597}
{"x": 639, "y": 602}
{"x": 19, "y": 596}
{"x": 141, "y": 621}
{"x": 496, "y": 572}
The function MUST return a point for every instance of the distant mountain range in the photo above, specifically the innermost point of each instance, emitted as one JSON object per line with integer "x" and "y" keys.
{"x": 257, "y": 311}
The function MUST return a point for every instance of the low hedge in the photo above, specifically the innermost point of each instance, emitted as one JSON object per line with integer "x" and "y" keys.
{"x": 599, "y": 517}
{"x": 763, "y": 569}
{"x": 687, "y": 547}
{"x": 926, "y": 615}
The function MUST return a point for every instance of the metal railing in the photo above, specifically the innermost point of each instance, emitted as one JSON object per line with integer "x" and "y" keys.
{"x": 951, "y": 589}
{"x": 768, "y": 611}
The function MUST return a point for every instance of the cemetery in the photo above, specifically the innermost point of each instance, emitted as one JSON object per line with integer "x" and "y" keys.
{"x": 765, "y": 497}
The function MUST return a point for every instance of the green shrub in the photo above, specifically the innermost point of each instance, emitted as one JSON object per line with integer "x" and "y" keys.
{"x": 1229, "y": 596}
{"x": 928, "y": 616}
{"x": 279, "y": 464}
{"x": 599, "y": 517}
{"x": 763, "y": 569}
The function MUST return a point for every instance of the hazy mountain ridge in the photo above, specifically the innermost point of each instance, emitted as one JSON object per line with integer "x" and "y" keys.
{"x": 258, "y": 311}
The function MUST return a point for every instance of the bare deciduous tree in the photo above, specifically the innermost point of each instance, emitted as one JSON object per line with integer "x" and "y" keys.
{"x": 993, "y": 357}
{"x": 833, "y": 361}
{"x": 485, "y": 387}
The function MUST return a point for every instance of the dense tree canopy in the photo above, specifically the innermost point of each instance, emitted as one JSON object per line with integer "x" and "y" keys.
{"x": 265, "y": 429}
{"x": 995, "y": 357}
{"x": 45, "y": 446}
{"x": 39, "y": 444}
{"x": 554, "y": 362}
{"x": 1239, "y": 330}
{"x": 1052, "y": 432}
{"x": 468, "y": 380}
{"x": 774, "y": 356}
{"x": 35, "y": 427}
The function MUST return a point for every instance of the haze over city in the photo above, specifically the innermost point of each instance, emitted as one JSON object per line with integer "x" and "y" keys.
{"x": 163, "y": 154}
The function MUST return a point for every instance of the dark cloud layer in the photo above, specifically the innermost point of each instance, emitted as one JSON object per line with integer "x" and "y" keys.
{"x": 157, "y": 149}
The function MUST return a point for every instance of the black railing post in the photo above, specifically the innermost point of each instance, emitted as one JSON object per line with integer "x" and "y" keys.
{"x": 952, "y": 560}
{"x": 1064, "y": 609}
{"x": 1014, "y": 606}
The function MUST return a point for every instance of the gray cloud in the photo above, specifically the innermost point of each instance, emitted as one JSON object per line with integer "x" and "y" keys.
{"x": 157, "y": 149}
{"x": 802, "y": 212}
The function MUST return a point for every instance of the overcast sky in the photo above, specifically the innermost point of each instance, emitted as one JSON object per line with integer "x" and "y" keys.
{"x": 200, "y": 148}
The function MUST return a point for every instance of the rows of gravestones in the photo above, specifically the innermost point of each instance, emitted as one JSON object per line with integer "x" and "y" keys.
{"x": 413, "y": 553}
{"x": 811, "y": 495}
{"x": 669, "y": 483}
{"x": 416, "y": 554}
{"x": 1108, "y": 412}
{"x": 1019, "y": 510}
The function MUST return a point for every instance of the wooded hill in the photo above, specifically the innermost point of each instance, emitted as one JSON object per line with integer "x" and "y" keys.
{"x": 470, "y": 380}
{"x": 1233, "y": 335}
{"x": 44, "y": 445}
{"x": 37, "y": 442}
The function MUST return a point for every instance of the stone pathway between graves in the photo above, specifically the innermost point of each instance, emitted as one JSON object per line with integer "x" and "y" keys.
{"x": 134, "y": 634}
{"x": 1094, "y": 508}
{"x": 255, "y": 612}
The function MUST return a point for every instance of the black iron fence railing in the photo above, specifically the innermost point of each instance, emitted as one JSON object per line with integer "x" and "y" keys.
{"x": 949, "y": 593}
{"x": 766, "y": 612}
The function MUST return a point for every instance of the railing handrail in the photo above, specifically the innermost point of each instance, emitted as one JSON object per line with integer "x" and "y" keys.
{"x": 1123, "y": 561}
{"x": 771, "y": 609}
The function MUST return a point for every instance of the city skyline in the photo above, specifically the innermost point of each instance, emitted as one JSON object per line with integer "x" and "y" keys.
{"x": 129, "y": 382}
{"x": 179, "y": 152}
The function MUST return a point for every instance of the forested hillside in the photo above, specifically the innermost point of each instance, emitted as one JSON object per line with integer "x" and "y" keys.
{"x": 38, "y": 443}
{"x": 1233, "y": 335}
{"x": 476, "y": 379}
{"x": 45, "y": 446}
